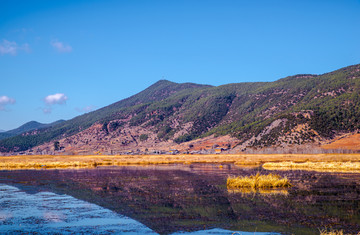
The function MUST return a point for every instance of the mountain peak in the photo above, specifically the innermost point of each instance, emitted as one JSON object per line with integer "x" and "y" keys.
{"x": 164, "y": 81}
{"x": 29, "y": 126}
{"x": 161, "y": 84}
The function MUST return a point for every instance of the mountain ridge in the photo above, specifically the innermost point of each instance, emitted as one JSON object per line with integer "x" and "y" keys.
{"x": 289, "y": 112}
{"x": 29, "y": 126}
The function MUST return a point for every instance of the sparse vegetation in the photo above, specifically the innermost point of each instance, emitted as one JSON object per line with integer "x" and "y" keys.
{"x": 105, "y": 128}
{"x": 143, "y": 137}
{"x": 56, "y": 145}
{"x": 113, "y": 126}
{"x": 258, "y": 181}
{"x": 165, "y": 132}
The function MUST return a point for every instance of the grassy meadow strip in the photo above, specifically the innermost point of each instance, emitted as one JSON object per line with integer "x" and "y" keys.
{"x": 88, "y": 161}
{"x": 258, "y": 182}
{"x": 82, "y": 161}
{"x": 316, "y": 166}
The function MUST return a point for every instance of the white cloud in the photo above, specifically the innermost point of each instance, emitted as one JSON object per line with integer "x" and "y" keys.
{"x": 61, "y": 47}
{"x": 86, "y": 109}
{"x": 12, "y": 48}
{"x": 5, "y": 100}
{"x": 58, "y": 98}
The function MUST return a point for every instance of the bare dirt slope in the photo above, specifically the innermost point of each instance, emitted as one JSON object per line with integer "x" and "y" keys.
{"x": 350, "y": 142}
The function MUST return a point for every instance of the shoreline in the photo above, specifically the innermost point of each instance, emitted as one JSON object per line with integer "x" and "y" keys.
{"x": 91, "y": 161}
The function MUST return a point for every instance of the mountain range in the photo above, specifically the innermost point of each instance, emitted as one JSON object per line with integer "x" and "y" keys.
{"x": 292, "y": 112}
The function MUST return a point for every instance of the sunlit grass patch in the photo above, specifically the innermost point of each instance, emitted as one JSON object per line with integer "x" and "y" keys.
{"x": 258, "y": 182}
{"x": 46, "y": 165}
{"x": 317, "y": 166}
{"x": 248, "y": 163}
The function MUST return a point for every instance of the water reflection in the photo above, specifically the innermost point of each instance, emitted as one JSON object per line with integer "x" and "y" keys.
{"x": 48, "y": 212}
{"x": 260, "y": 191}
{"x": 218, "y": 231}
{"x": 189, "y": 198}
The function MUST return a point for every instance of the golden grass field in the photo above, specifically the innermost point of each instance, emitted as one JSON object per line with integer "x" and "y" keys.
{"x": 86, "y": 161}
{"x": 316, "y": 166}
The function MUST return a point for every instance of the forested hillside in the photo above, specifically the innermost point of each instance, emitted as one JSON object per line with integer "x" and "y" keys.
{"x": 291, "y": 111}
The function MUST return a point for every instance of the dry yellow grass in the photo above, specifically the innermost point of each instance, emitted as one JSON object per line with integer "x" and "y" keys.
{"x": 317, "y": 166}
{"x": 258, "y": 182}
{"x": 48, "y": 161}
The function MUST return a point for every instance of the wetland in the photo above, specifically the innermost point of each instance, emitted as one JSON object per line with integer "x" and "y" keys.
{"x": 179, "y": 198}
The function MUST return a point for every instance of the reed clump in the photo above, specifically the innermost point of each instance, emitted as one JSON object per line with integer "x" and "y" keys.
{"x": 258, "y": 181}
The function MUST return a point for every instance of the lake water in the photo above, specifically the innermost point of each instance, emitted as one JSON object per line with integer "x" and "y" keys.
{"x": 48, "y": 212}
{"x": 174, "y": 199}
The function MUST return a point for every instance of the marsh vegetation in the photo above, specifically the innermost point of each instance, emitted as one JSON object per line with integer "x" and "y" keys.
{"x": 317, "y": 166}
{"x": 273, "y": 161}
{"x": 258, "y": 181}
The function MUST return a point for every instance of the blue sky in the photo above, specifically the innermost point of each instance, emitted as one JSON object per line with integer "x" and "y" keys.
{"x": 59, "y": 59}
